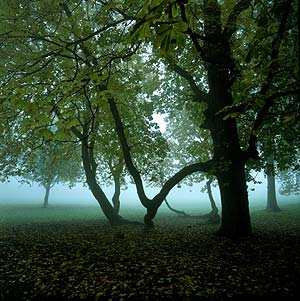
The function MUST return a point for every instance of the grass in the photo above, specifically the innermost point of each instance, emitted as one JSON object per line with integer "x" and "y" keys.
{"x": 32, "y": 213}
{"x": 71, "y": 253}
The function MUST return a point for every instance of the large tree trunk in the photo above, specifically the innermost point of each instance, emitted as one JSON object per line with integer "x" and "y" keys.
{"x": 271, "y": 195}
{"x": 234, "y": 199}
{"x": 228, "y": 157}
{"x": 46, "y": 197}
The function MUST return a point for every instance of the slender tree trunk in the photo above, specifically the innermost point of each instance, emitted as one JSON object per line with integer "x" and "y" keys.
{"x": 117, "y": 192}
{"x": 272, "y": 204}
{"x": 174, "y": 210}
{"x": 46, "y": 197}
{"x": 214, "y": 208}
{"x": 90, "y": 172}
{"x": 213, "y": 216}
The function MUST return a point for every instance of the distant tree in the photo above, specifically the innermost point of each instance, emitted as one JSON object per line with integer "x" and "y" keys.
{"x": 289, "y": 179}
{"x": 272, "y": 204}
{"x": 52, "y": 164}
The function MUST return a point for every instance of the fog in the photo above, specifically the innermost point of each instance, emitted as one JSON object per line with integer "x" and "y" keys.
{"x": 184, "y": 198}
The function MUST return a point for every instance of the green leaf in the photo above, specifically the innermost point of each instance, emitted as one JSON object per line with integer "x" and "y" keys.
{"x": 181, "y": 26}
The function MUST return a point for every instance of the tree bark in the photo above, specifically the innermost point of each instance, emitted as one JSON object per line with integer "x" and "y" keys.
{"x": 214, "y": 208}
{"x": 90, "y": 173}
{"x": 90, "y": 169}
{"x": 117, "y": 192}
{"x": 272, "y": 204}
{"x": 46, "y": 197}
{"x": 234, "y": 198}
{"x": 213, "y": 216}
{"x": 229, "y": 159}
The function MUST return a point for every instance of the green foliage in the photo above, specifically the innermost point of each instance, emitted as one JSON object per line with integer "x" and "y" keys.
{"x": 52, "y": 164}
{"x": 290, "y": 181}
{"x": 65, "y": 78}
{"x": 161, "y": 21}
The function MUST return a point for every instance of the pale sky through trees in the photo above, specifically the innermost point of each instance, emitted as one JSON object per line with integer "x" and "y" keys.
{"x": 184, "y": 197}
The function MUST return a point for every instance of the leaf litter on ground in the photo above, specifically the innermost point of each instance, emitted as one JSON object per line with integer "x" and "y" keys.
{"x": 179, "y": 259}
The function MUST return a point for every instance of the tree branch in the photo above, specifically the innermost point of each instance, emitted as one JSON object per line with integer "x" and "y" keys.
{"x": 193, "y": 36}
{"x": 269, "y": 101}
{"x": 127, "y": 155}
{"x": 174, "y": 180}
{"x": 201, "y": 95}
{"x": 231, "y": 26}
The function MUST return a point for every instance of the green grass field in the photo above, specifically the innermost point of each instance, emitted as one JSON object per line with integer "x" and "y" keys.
{"x": 71, "y": 253}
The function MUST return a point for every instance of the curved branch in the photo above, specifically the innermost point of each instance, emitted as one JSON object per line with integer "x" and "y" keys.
{"x": 231, "y": 27}
{"x": 193, "y": 36}
{"x": 201, "y": 95}
{"x": 179, "y": 176}
{"x": 173, "y": 181}
{"x": 175, "y": 210}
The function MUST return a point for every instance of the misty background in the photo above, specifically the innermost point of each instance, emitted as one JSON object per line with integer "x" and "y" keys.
{"x": 185, "y": 198}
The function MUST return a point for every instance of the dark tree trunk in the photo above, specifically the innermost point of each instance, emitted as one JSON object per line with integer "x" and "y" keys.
{"x": 46, "y": 197}
{"x": 234, "y": 199}
{"x": 272, "y": 204}
{"x": 213, "y": 216}
{"x": 90, "y": 166}
{"x": 117, "y": 192}
{"x": 228, "y": 157}
{"x": 214, "y": 208}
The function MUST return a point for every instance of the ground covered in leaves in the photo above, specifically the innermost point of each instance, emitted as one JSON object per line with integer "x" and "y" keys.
{"x": 180, "y": 259}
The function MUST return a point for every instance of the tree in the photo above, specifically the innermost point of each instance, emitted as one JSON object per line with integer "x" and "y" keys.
{"x": 289, "y": 179}
{"x": 212, "y": 31}
{"x": 52, "y": 164}
{"x": 64, "y": 78}
{"x": 228, "y": 53}
{"x": 272, "y": 204}
{"x": 52, "y": 66}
